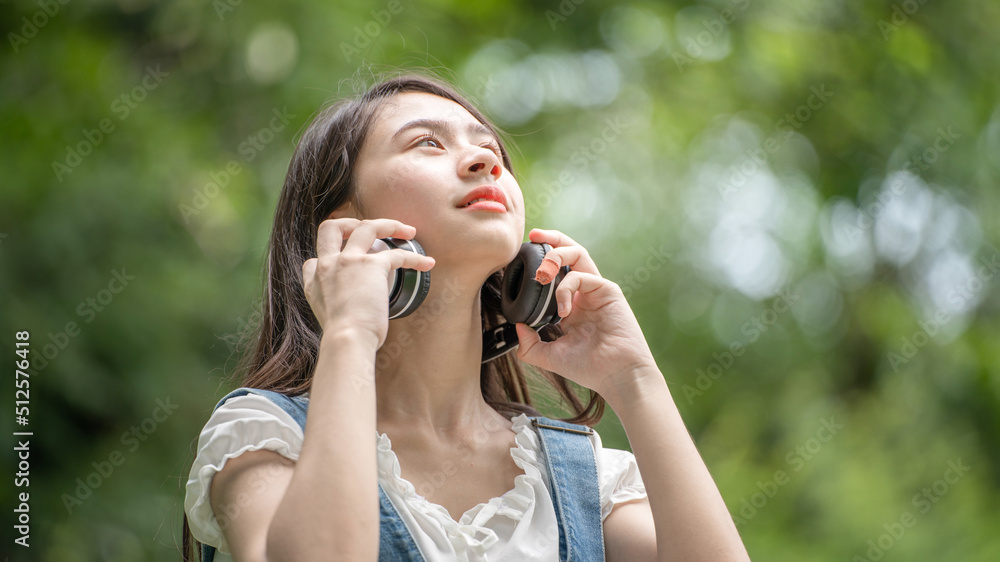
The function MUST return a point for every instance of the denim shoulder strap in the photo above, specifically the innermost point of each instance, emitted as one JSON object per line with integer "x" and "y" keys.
{"x": 295, "y": 406}
{"x": 396, "y": 544}
{"x": 574, "y": 487}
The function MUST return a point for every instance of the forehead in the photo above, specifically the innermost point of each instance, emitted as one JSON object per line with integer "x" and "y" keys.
{"x": 411, "y": 106}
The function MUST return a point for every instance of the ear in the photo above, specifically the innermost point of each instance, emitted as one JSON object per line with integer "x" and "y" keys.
{"x": 346, "y": 210}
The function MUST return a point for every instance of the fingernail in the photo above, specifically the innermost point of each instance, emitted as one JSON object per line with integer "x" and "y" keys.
{"x": 547, "y": 271}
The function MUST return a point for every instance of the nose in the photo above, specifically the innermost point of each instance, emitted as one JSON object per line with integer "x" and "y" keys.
{"x": 495, "y": 171}
{"x": 486, "y": 159}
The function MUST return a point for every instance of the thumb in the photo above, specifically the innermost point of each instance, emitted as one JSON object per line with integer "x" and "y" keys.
{"x": 530, "y": 345}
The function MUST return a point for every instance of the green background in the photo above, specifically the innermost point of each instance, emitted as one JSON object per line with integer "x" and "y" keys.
{"x": 799, "y": 199}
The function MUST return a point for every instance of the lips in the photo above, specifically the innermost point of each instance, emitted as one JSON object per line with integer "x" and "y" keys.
{"x": 488, "y": 193}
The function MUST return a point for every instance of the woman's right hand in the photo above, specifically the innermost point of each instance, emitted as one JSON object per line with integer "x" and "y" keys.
{"x": 349, "y": 288}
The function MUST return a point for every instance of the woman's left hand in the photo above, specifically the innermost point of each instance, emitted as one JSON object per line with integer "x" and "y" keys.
{"x": 602, "y": 341}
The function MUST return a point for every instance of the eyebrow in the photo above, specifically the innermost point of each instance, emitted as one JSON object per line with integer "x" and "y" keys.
{"x": 440, "y": 125}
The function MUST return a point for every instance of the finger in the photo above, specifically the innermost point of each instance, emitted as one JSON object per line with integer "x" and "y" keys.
{"x": 309, "y": 269}
{"x": 576, "y": 282}
{"x": 547, "y": 270}
{"x": 409, "y": 260}
{"x": 530, "y": 347}
{"x": 365, "y": 233}
{"x": 576, "y": 257}
{"x": 331, "y": 233}
{"x": 570, "y": 252}
{"x": 553, "y": 238}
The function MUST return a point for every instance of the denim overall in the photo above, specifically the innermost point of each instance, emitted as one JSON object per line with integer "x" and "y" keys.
{"x": 573, "y": 486}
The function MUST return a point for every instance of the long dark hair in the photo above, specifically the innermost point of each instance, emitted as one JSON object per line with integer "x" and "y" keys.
{"x": 320, "y": 179}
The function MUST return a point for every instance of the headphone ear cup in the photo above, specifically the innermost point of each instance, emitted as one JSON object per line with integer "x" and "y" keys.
{"x": 410, "y": 287}
{"x": 522, "y": 299}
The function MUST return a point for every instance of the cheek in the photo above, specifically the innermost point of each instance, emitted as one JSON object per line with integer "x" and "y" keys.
{"x": 400, "y": 192}
{"x": 511, "y": 187}
{"x": 383, "y": 188}
{"x": 519, "y": 202}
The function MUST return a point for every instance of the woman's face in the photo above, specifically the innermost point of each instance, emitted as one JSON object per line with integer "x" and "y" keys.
{"x": 423, "y": 160}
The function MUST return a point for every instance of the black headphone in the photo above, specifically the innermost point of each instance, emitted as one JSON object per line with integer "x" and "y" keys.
{"x": 522, "y": 299}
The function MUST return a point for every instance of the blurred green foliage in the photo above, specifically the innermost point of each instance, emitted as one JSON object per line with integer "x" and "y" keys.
{"x": 798, "y": 198}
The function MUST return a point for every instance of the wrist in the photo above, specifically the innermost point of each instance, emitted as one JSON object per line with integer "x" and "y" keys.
{"x": 633, "y": 385}
{"x": 346, "y": 362}
{"x": 350, "y": 337}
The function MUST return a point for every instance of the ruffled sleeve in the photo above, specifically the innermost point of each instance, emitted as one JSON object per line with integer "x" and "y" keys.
{"x": 618, "y": 475}
{"x": 241, "y": 424}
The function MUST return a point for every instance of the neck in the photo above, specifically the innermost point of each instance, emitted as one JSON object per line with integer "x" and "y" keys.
{"x": 427, "y": 371}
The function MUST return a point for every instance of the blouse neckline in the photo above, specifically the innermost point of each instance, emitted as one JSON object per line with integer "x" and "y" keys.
{"x": 471, "y": 531}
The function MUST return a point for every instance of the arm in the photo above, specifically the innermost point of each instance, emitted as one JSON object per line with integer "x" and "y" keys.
{"x": 325, "y": 506}
{"x": 691, "y": 519}
{"x": 604, "y": 349}
{"x": 331, "y": 505}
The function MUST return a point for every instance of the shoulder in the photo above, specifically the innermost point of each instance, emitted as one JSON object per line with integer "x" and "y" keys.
{"x": 295, "y": 406}
{"x": 618, "y": 476}
{"x": 244, "y": 420}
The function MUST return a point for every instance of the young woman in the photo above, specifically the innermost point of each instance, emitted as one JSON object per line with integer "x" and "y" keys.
{"x": 393, "y": 440}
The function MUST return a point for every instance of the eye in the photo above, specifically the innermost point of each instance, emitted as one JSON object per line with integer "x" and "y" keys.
{"x": 495, "y": 147}
{"x": 428, "y": 141}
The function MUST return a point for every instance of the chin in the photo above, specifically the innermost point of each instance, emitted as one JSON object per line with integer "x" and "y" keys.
{"x": 507, "y": 241}
{"x": 513, "y": 246}
{"x": 495, "y": 247}
{"x": 501, "y": 245}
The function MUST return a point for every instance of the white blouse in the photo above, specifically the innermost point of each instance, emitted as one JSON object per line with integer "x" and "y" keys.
{"x": 519, "y": 525}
